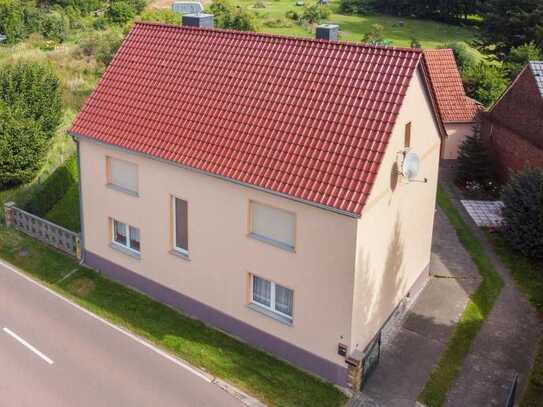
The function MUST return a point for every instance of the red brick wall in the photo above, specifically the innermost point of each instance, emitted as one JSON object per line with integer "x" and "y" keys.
{"x": 521, "y": 109}
{"x": 511, "y": 151}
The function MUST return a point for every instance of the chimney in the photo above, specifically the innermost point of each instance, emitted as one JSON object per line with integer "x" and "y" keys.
{"x": 199, "y": 20}
{"x": 327, "y": 32}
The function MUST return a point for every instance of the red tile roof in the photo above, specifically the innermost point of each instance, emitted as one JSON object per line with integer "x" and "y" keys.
{"x": 305, "y": 118}
{"x": 452, "y": 102}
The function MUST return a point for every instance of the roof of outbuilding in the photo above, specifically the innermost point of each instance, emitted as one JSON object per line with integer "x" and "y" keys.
{"x": 452, "y": 102}
{"x": 537, "y": 71}
{"x": 308, "y": 119}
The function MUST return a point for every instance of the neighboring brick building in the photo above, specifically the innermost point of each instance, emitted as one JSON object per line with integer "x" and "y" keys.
{"x": 513, "y": 127}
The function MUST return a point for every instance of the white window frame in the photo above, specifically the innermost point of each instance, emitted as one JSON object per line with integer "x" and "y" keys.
{"x": 127, "y": 230}
{"x": 272, "y": 298}
{"x": 180, "y": 250}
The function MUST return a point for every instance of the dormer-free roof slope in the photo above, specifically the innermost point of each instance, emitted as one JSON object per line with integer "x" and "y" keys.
{"x": 307, "y": 119}
{"x": 453, "y": 104}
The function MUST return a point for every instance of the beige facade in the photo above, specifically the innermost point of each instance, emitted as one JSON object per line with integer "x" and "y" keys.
{"x": 456, "y": 134}
{"x": 347, "y": 274}
{"x": 395, "y": 231}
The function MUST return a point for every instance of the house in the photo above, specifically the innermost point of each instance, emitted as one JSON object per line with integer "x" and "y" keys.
{"x": 253, "y": 181}
{"x": 513, "y": 127}
{"x": 458, "y": 112}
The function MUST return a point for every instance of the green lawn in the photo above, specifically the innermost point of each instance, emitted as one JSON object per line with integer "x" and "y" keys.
{"x": 268, "y": 379}
{"x": 479, "y": 306}
{"x": 400, "y": 31}
{"x": 529, "y": 277}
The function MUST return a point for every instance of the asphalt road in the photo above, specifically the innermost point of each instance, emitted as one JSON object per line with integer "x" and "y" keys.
{"x": 53, "y": 354}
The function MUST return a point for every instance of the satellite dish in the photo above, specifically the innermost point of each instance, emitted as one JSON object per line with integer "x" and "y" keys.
{"x": 410, "y": 165}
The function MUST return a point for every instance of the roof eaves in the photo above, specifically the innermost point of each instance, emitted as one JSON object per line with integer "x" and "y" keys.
{"x": 354, "y": 215}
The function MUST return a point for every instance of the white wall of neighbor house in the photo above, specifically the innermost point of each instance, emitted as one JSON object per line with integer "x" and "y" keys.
{"x": 456, "y": 134}
{"x": 221, "y": 255}
{"x": 395, "y": 231}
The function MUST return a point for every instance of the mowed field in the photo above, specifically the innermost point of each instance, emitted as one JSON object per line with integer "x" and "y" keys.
{"x": 401, "y": 31}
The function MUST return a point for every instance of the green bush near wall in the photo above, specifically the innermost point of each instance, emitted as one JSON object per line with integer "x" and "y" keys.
{"x": 54, "y": 188}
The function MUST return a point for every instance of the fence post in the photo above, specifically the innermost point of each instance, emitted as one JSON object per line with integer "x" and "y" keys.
{"x": 78, "y": 248}
{"x": 8, "y": 213}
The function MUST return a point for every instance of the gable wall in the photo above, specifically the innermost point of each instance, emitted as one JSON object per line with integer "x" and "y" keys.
{"x": 521, "y": 109}
{"x": 395, "y": 232}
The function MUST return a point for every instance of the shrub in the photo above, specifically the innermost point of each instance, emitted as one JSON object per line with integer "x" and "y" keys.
{"x": 101, "y": 45}
{"x": 22, "y": 147}
{"x": 35, "y": 90}
{"x": 475, "y": 167}
{"x": 484, "y": 82}
{"x": 11, "y": 20}
{"x": 86, "y": 6}
{"x": 161, "y": 16}
{"x": 32, "y": 18}
{"x": 121, "y": 12}
{"x": 464, "y": 54}
{"x": 278, "y": 23}
{"x": 360, "y": 7}
{"x": 314, "y": 13}
{"x": 54, "y": 188}
{"x": 415, "y": 43}
{"x": 292, "y": 15}
{"x": 55, "y": 26}
{"x": 523, "y": 213}
{"x": 519, "y": 56}
{"x": 375, "y": 36}
{"x": 233, "y": 17}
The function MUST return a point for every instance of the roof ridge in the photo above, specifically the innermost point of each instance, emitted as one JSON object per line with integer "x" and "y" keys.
{"x": 283, "y": 37}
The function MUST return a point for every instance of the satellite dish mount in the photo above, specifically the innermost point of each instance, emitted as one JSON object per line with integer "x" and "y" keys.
{"x": 410, "y": 165}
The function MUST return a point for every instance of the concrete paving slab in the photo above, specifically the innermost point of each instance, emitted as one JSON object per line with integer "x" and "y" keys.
{"x": 482, "y": 383}
{"x": 433, "y": 317}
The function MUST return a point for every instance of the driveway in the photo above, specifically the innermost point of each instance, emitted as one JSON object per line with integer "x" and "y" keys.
{"x": 407, "y": 360}
{"x": 53, "y": 353}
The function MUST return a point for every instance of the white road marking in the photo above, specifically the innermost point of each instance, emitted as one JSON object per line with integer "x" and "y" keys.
{"x": 29, "y": 346}
{"x": 208, "y": 378}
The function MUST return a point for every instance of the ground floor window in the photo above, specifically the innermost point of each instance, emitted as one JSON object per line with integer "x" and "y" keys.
{"x": 126, "y": 236}
{"x": 272, "y": 296}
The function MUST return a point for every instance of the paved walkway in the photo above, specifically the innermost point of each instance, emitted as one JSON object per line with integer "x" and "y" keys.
{"x": 408, "y": 359}
{"x": 505, "y": 345}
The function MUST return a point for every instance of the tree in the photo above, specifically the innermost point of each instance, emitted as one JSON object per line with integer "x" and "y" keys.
{"x": 11, "y": 20}
{"x": 523, "y": 213}
{"x": 34, "y": 90}
{"x": 474, "y": 163}
{"x": 22, "y": 147}
{"x": 121, "y": 12}
{"x": 161, "y": 16}
{"x": 55, "y": 26}
{"x": 510, "y": 23}
{"x": 375, "y": 36}
{"x": 520, "y": 56}
{"x": 484, "y": 82}
{"x": 232, "y": 17}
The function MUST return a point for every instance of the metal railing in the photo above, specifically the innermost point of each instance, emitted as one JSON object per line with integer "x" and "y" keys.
{"x": 41, "y": 229}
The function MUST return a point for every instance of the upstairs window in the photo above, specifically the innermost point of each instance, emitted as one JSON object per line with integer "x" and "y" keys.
{"x": 272, "y": 225}
{"x": 122, "y": 175}
{"x": 180, "y": 226}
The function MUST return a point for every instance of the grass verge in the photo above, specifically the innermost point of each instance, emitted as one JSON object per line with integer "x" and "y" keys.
{"x": 479, "y": 306}
{"x": 273, "y": 381}
{"x": 529, "y": 277}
